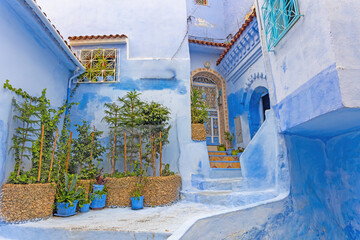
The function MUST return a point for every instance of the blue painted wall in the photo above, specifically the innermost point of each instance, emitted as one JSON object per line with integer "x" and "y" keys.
{"x": 244, "y": 71}
{"x": 31, "y": 63}
{"x": 324, "y": 200}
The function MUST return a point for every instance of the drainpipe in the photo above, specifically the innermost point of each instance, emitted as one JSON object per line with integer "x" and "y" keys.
{"x": 77, "y": 72}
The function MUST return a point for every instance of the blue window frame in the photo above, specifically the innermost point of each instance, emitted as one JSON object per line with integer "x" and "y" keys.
{"x": 278, "y": 18}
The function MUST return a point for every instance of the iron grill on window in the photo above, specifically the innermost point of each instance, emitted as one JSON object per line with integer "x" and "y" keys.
{"x": 278, "y": 17}
{"x": 202, "y": 2}
{"x": 100, "y": 65}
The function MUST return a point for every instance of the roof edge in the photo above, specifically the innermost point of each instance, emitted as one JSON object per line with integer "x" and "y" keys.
{"x": 248, "y": 19}
{"x": 54, "y": 33}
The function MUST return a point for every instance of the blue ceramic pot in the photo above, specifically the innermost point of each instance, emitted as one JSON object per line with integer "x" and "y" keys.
{"x": 64, "y": 209}
{"x": 85, "y": 208}
{"x": 137, "y": 203}
{"x": 97, "y": 187}
{"x": 98, "y": 202}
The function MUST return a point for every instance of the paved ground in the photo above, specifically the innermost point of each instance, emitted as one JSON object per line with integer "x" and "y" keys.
{"x": 159, "y": 220}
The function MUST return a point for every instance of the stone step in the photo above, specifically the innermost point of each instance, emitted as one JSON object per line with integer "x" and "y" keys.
{"x": 224, "y": 164}
{"x": 223, "y": 158}
{"x": 225, "y": 173}
{"x": 228, "y": 198}
{"x": 217, "y": 184}
{"x": 217, "y": 153}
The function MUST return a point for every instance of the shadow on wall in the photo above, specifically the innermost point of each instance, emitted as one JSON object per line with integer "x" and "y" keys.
{"x": 263, "y": 163}
{"x": 325, "y": 191}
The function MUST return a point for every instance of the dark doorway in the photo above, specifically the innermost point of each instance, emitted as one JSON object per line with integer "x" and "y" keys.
{"x": 265, "y": 104}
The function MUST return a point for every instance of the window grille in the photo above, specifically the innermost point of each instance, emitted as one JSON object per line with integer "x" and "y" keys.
{"x": 201, "y": 2}
{"x": 100, "y": 65}
{"x": 278, "y": 17}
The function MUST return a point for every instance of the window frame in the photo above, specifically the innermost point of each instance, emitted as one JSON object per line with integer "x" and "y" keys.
{"x": 104, "y": 73}
{"x": 277, "y": 21}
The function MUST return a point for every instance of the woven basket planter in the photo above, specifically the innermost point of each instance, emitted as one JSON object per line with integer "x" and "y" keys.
{"x": 160, "y": 191}
{"x": 23, "y": 202}
{"x": 198, "y": 132}
{"x": 119, "y": 190}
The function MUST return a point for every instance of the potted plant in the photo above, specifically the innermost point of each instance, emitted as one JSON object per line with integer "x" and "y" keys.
{"x": 99, "y": 192}
{"x": 229, "y": 137}
{"x": 199, "y": 115}
{"x": 68, "y": 196}
{"x": 240, "y": 150}
{"x": 137, "y": 195}
{"x": 221, "y": 148}
{"x": 85, "y": 201}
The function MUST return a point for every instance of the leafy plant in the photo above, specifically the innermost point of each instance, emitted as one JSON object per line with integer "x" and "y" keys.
{"x": 240, "y": 149}
{"x": 112, "y": 118}
{"x": 138, "y": 190}
{"x": 221, "y": 147}
{"x": 130, "y": 112}
{"x": 229, "y": 137}
{"x": 100, "y": 192}
{"x": 199, "y": 112}
{"x": 24, "y": 178}
{"x": 166, "y": 171}
{"x": 86, "y": 198}
{"x": 67, "y": 190}
{"x": 155, "y": 119}
{"x": 86, "y": 149}
{"x": 100, "y": 179}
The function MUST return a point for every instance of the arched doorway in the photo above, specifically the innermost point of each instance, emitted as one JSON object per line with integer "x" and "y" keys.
{"x": 214, "y": 92}
{"x": 259, "y": 103}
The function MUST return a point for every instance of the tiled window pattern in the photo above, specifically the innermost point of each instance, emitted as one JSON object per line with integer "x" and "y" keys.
{"x": 278, "y": 17}
{"x": 100, "y": 65}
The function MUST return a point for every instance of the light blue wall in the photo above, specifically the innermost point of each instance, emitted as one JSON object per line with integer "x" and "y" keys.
{"x": 207, "y": 21}
{"x": 199, "y": 54}
{"x": 295, "y": 78}
{"x": 29, "y": 63}
{"x": 155, "y": 28}
{"x": 235, "y": 12}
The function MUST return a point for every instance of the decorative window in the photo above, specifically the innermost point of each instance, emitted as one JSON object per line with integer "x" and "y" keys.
{"x": 100, "y": 65}
{"x": 201, "y": 2}
{"x": 278, "y": 17}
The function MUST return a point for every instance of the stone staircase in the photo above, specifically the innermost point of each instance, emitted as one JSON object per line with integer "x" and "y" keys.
{"x": 223, "y": 165}
{"x": 223, "y": 182}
